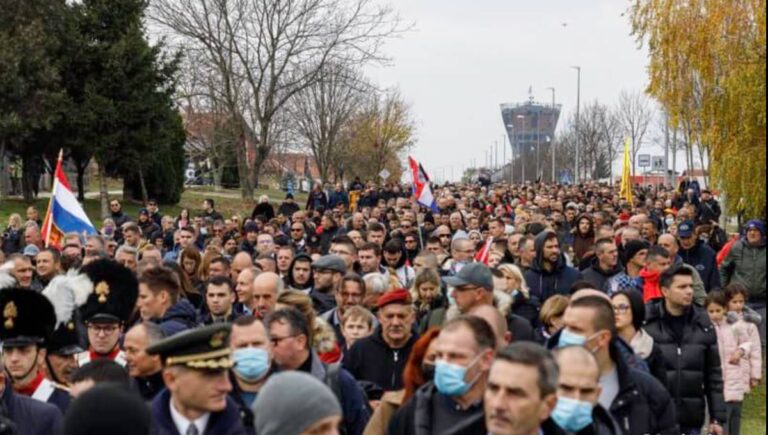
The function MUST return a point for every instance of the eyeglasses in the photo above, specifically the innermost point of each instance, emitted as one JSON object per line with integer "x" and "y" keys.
{"x": 103, "y": 329}
{"x": 410, "y": 241}
{"x": 296, "y": 230}
{"x": 276, "y": 340}
{"x": 621, "y": 308}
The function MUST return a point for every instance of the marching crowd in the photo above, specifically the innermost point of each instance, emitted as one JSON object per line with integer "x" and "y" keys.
{"x": 504, "y": 309}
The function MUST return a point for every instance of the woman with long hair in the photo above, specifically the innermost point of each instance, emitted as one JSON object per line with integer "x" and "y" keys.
{"x": 419, "y": 369}
{"x": 190, "y": 261}
{"x": 183, "y": 219}
{"x": 629, "y": 311}
{"x": 517, "y": 289}
{"x": 13, "y": 235}
{"x": 188, "y": 291}
{"x": 425, "y": 293}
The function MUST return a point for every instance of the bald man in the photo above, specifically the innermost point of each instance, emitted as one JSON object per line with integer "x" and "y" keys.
{"x": 577, "y": 384}
{"x": 240, "y": 262}
{"x": 266, "y": 287}
{"x": 497, "y": 322}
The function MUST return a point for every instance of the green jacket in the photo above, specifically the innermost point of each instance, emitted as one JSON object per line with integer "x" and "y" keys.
{"x": 745, "y": 265}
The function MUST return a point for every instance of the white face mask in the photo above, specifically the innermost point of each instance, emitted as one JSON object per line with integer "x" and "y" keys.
{"x": 669, "y": 221}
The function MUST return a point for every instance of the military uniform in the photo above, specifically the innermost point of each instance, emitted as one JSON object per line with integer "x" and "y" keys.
{"x": 115, "y": 290}
{"x": 29, "y": 319}
{"x": 206, "y": 349}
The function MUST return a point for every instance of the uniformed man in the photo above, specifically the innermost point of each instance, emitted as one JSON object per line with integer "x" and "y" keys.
{"x": 107, "y": 309}
{"x": 62, "y": 349}
{"x": 28, "y": 319}
{"x": 195, "y": 372}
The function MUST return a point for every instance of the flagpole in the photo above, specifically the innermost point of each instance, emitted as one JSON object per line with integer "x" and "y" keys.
{"x": 48, "y": 218}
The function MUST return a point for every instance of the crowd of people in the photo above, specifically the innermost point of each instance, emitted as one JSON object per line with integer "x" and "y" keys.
{"x": 505, "y": 309}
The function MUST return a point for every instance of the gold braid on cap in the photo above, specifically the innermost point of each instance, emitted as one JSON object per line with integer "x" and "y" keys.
{"x": 216, "y": 359}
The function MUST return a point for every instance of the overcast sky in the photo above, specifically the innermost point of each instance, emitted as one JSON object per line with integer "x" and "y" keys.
{"x": 464, "y": 58}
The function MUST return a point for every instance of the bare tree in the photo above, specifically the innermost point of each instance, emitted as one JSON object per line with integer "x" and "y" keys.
{"x": 321, "y": 110}
{"x": 278, "y": 47}
{"x": 599, "y": 138}
{"x": 635, "y": 114}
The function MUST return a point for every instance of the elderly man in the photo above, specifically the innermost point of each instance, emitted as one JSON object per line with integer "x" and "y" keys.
{"x": 380, "y": 358}
{"x": 195, "y": 373}
{"x": 144, "y": 369}
{"x": 266, "y": 287}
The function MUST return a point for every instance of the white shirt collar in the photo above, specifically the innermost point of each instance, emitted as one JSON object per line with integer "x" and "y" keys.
{"x": 182, "y": 423}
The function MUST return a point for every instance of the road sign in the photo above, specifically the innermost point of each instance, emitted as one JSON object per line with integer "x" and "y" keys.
{"x": 658, "y": 163}
{"x": 644, "y": 160}
{"x": 384, "y": 174}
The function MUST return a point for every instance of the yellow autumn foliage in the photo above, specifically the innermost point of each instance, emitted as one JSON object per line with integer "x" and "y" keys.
{"x": 707, "y": 68}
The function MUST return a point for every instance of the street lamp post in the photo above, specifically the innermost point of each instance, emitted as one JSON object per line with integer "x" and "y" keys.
{"x": 512, "y": 156}
{"x": 554, "y": 127}
{"x": 578, "y": 101}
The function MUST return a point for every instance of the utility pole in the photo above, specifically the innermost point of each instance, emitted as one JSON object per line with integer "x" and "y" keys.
{"x": 522, "y": 150}
{"x": 504, "y": 157}
{"x": 554, "y": 127}
{"x": 578, "y": 104}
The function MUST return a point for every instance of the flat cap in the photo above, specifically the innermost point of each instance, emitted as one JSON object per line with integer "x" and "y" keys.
{"x": 206, "y": 347}
{"x": 330, "y": 262}
{"x": 397, "y": 296}
{"x": 476, "y": 274}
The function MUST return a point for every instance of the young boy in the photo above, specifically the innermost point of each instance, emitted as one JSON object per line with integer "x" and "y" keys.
{"x": 356, "y": 323}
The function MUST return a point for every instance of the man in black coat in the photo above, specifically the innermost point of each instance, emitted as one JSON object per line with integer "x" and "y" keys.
{"x": 688, "y": 345}
{"x": 380, "y": 358}
{"x": 195, "y": 372}
{"x": 635, "y": 399}
{"x": 698, "y": 255}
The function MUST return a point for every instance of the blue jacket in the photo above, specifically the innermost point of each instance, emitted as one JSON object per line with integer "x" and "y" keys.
{"x": 702, "y": 258}
{"x": 226, "y": 422}
{"x": 180, "y": 317}
{"x": 335, "y": 198}
{"x": 542, "y": 283}
{"x": 32, "y": 417}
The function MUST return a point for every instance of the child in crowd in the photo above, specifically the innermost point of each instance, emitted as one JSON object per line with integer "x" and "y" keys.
{"x": 356, "y": 323}
{"x": 736, "y": 295}
{"x": 734, "y": 346}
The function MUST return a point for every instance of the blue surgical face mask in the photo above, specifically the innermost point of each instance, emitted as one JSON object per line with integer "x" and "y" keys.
{"x": 251, "y": 363}
{"x": 568, "y": 338}
{"x": 572, "y": 415}
{"x": 449, "y": 378}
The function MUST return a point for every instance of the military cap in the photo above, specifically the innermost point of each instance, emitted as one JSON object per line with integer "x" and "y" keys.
{"x": 206, "y": 347}
{"x": 330, "y": 262}
{"x": 115, "y": 290}
{"x": 64, "y": 340}
{"x": 28, "y": 317}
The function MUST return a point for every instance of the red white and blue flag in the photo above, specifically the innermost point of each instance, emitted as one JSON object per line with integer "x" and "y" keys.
{"x": 421, "y": 188}
{"x": 485, "y": 252}
{"x": 65, "y": 214}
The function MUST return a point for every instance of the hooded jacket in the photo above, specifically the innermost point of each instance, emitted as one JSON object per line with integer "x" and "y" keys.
{"x": 692, "y": 362}
{"x": 179, "y": 317}
{"x": 702, "y": 258}
{"x": 371, "y": 359}
{"x": 745, "y": 264}
{"x": 605, "y": 280}
{"x": 542, "y": 283}
{"x": 732, "y": 336}
{"x": 582, "y": 243}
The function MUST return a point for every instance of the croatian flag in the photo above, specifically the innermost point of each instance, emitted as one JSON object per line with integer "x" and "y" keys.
{"x": 484, "y": 252}
{"x": 421, "y": 188}
{"x": 65, "y": 214}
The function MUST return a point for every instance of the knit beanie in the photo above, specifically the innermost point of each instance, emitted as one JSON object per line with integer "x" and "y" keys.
{"x": 632, "y": 248}
{"x": 291, "y": 402}
{"x": 107, "y": 409}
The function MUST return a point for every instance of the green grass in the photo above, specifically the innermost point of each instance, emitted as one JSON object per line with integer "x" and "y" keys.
{"x": 753, "y": 409}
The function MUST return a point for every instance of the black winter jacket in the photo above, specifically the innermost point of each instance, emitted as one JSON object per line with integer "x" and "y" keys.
{"x": 371, "y": 359}
{"x": 32, "y": 417}
{"x": 643, "y": 405}
{"x": 702, "y": 258}
{"x": 544, "y": 283}
{"x": 692, "y": 362}
{"x": 415, "y": 416}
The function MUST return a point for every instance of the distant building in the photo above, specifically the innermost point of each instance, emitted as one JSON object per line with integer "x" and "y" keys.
{"x": 529, "y": 124}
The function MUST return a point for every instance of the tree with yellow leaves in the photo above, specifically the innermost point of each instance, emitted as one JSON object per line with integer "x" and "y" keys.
{"x": 377, "y": 138}
{"x": 707, "y": 68}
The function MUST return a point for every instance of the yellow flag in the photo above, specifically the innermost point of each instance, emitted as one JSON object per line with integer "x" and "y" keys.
{"x": 626, "y": 175}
